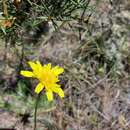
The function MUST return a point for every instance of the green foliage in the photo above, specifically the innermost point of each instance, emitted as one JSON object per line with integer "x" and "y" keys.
{"x": 60, "y": 9}
{"x": 21, "y": 102}
{"x": 32, "y": 13}
{"x": 21, "y": 89}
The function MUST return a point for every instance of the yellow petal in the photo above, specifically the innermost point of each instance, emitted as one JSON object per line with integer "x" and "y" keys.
{"x": 57, "y": 70}
{"x": 56, "y": 88}
{"x": 49, "y": 95}
{"x": 32, "y": 65}
{"x": 39, "y": 88}
{"x": 47, "y": 66}
{"x": 61, "y": 93}
{"x": 26, "y": 73}
{"x": 39, "y": 64}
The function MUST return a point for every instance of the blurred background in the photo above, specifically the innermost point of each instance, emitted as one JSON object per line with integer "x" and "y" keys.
{"x": 90, "y": 39}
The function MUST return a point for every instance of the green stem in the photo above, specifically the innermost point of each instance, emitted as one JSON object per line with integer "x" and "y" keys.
{"x": 35, "y": 112}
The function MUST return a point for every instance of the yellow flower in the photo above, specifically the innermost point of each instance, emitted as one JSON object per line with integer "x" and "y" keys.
{"x": 47, "y": 76}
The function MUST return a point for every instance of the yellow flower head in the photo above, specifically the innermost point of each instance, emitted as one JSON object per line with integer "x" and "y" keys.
{"x": 47, "y": 76}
